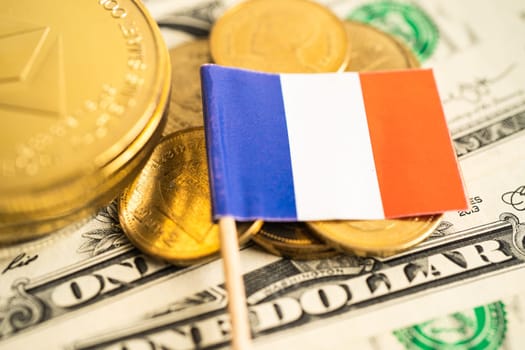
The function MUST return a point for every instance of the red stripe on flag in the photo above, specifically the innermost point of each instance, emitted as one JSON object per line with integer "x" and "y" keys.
{"x": 414, "y": 157}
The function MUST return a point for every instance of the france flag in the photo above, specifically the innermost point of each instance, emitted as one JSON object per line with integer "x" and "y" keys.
{"x": 302, "y": 147}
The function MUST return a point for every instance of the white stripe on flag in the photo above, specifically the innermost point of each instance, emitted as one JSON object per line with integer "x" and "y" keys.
{"x": 329, "y": 139}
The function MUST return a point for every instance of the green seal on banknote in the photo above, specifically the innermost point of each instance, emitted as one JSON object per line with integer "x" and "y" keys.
{"x": 405, "y": 21}
{"x": 481, "y": 328}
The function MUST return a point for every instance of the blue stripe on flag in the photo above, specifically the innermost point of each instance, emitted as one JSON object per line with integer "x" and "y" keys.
{"x": 249, "y": 176}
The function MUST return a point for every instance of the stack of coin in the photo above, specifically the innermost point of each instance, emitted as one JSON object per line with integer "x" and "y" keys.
{"x": 166, "y": 211}
{"x": 84, "y": 108}
{"x": 300, "y": 36}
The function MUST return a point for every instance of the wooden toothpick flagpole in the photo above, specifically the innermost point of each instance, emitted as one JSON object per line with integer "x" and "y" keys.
{"x": 240, "y": 325}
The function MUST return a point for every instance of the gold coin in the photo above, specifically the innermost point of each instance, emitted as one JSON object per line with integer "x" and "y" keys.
{"x": 295, "y": 36}
{"x": 371, "y": 50}
{"x": 166, "y": 211}
{"x": 376, "y": 237}
{"x": 186, "y": 99}
{"x": 125, "y": 168}
{"x": 79, "y": 105}
{"x": 292, "y": 240}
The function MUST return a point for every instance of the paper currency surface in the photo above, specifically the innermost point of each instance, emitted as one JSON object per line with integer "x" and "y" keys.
{"x": 91, "y": 289}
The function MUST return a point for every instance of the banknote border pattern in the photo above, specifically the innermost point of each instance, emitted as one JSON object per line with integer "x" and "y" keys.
{"x": 490, "y": 134}
{"x": 500, "y": 246}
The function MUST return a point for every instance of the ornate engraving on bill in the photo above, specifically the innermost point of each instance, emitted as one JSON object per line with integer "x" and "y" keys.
{"x": 309, "y": 292}
{"x": 106, "y": 265}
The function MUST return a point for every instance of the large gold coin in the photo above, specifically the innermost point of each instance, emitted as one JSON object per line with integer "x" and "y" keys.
{"x": 376, "y": 237}
{"x": 372, "y": 49}
{"x": 79, "y": 105}
{"x": 292, "y": 240}
{"x": 119, "y": 173}
{"x": 186, "y": 99}
{"x": 166, "y": 211}
{"x": 295, "y": 36}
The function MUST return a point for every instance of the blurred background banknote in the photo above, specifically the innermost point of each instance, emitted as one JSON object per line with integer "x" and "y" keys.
{"x": 461, "y": 288}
